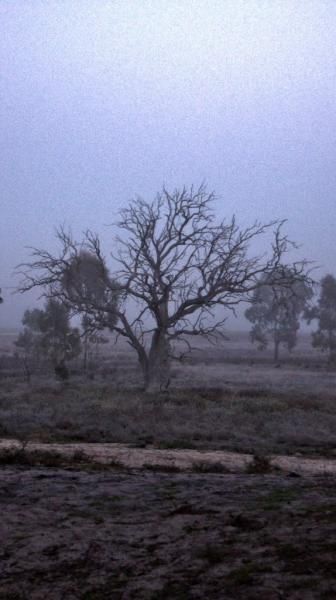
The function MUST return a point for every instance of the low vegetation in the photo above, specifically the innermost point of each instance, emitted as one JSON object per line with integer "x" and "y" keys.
{"x": 194, "y": 418}
{"x": 205, "y": 531}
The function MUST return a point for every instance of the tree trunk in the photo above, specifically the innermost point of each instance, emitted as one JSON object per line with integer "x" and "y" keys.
{"x": 276, "y": 351}
{"x": 157, "y": 373}
{"x": 143, "y": 360}
{"x": 332, "y": 351}
{"x": 27, "y": 370}
{"x": 85, "y": 354}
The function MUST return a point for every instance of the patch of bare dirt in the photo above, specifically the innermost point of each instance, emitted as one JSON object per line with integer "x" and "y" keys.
{"x": 114, "y": 534}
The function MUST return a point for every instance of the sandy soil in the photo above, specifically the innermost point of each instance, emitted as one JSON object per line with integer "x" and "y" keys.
{"x": 78, "y": 534}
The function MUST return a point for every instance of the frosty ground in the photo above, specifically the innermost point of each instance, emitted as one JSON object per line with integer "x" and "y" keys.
{"x": 74, "y": 526}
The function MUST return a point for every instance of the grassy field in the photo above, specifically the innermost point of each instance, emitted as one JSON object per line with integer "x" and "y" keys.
{"x": 246, "y": 420}
{"x": 228, "y": 397}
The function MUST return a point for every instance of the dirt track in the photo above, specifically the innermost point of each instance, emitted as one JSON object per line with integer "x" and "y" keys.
{"x": 183, "y": 460}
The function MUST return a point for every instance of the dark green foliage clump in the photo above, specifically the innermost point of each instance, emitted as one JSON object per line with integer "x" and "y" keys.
{"x": 325, "y": 313}
{"x": 276, "y": 307}
{"x": 48, "y": 336}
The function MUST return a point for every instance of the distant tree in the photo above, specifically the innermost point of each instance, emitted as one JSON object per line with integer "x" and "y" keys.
{"x": 276, "y": 308}
{"x": 27, "y": 350}
{"x": 1, "y": 298}
{"x": 92, "y": 340}
{"x": 48, "y": 334}
{"x": 325, "y": 313}
{"x": 177, "y": 264}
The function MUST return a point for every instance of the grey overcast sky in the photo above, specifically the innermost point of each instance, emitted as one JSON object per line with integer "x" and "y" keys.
{"x": 102, "y": 100}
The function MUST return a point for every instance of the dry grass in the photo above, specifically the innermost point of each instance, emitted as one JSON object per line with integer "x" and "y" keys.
{"x": 207, "y": 533}
{"x": 226, "y": 397}
{"x": 243, "y": 421}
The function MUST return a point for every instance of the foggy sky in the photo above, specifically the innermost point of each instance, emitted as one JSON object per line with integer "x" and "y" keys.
{"x": 103, "y": 100}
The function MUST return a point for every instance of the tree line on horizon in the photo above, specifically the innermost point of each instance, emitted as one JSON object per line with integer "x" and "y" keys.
{"x": 179, "y": 268}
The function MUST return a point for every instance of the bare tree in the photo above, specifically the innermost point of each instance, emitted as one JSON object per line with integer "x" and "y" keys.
{"x": 177, "y": 268}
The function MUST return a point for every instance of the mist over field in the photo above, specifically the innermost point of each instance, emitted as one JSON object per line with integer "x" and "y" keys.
{"x": 167, "y": 299}
{"x": 103, "y": 101}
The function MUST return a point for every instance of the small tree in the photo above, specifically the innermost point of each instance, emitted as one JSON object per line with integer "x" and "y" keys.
{"x": 27, "y": 350}
{"x": 47, "y": 333}
{"x": 325, "y": 313}
{"x": 276, "y": 309}
{"x": 177, "y": 264}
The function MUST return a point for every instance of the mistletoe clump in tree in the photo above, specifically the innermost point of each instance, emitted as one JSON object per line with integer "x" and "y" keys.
{"x": 178, "y": 264}
{"x": 276, "y": 307}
